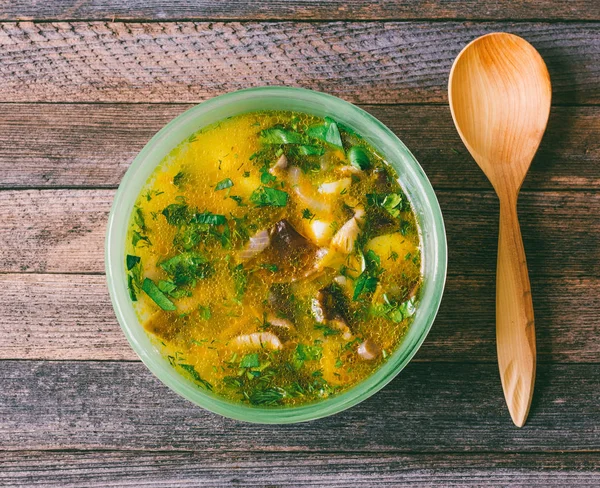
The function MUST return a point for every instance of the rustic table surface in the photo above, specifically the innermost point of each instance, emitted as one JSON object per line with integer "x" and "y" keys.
{"x": 84, "y": 84}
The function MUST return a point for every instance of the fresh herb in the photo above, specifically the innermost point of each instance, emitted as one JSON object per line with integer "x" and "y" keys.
{"x": 132, "y": 288}
{"x": 132, "y": 261}
{"x": 268, "y": 396}
{"x": 280, "y": 136}
{"x": 177, "y": 214}
{"x": 304, "y": 353}
{"x": 250, "y": 361}
{"x": 407, "y": 256}
{"x": 310, "y": 150}
{"x": 223, "y": 184}
{"x": 187, "y": 267}
{"x": 157, "y": 296}
{"x": 136, "y": 237}
{"x": 367, "y": 281}
{"x": 269, "y": 197}
{"x": 265, "y": 176}
{"x": 392, "y": 203}
{"x": 238, "y": 200}
{"x": 307, "y": 214}
{"x": 246, "y": 174}
{"x": 273, "y": 268}
{"x": 393, "y": 256}
{"x": 240, "y": 281}
{"x": 393, "y": 310}
{"x": 204, "y": 312}
{"x": 208, "y": 218}
{"x": 166, "y": 286}
{"x": 328, "y": 132}
{"x": 152, "y": 193}
{"x": 138, "y": 218}
{"x": 359, "y": 157}
{"x": 196, "y": 376}
{"x": 326, "y": 330}
{"x": 180, "y": 179}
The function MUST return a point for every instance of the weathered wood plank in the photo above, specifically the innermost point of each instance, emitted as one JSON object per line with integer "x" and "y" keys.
{"x": 297, "y": 9}
{"x": 63, "y": 231}
{"x": 100, "y": 469}
{"x": 56, "y": 145}
{"x": 373, "y": 62}
{"x": 60, "y": 317}
{"x": 430, "y": 407}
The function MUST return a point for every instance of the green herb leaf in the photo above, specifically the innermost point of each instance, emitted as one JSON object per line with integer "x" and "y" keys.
{"x": 138, "y": 217}
{"x": 223, "y": 184}
{"x": 208, "y": 218}
{"x": 273, "y": 268}
{"x": 305, "y": 352}
{"x": 266, "y": 177}
{"x": 307, "y": 214}
{"x": 394, "y": 311}
{"x": 329, "y": 133}
{"x": 250, "y": 361}
{"x": 240, "y": 281}
{"x": 196, "y": 376}
{"x": 179, "y": 179}
{"x": 326, "y": 330}
{"x": 359, "y": 157}
{"x": 132, "y": 261}
{"x": 367, "y": 281}
{"x": 187, "y": 267}
{"x": 136, "y": 237}
{"x": 204, "y": 312}
{"x": 166, "y": 286}
{"x": 269, "y": 197}
{"x": 392, "y": 203}
{"x": 280, "y": 136}
{"x": 131, "y": 286}
{"x": 177, "y": 214}
{"x": 238, "y": 200}
{"x": 157, "y": 296}
{"x": 310, "y": 150}
{"x": 332, "y": 135}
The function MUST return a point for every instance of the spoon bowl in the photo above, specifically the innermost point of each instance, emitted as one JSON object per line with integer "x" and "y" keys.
{"x": 500, "y": 93}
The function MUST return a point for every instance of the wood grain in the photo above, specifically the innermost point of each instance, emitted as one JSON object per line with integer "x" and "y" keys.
{"x": 56, "y": 145}
{"x": 70, "y": 317}
{"x": 296, "y": 9}
{"x": 62, "y": 231}
{"x": 429, "y": 407}
{"x": 372, "y": 62}
{"x": 158, "y": 469}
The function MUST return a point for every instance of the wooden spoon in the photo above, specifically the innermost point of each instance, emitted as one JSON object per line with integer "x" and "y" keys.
{"x": 499, "y": 92}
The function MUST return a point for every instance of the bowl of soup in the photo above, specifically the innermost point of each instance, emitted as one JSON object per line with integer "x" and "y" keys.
{"x": 275, "y": 255}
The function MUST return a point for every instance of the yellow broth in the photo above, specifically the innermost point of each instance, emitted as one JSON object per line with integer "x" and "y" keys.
{"x": 275, "y": 258}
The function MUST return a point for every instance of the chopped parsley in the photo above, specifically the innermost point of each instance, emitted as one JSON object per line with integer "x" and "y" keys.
{"x": 223, "y": 184}
{"x": 265, "y": 196}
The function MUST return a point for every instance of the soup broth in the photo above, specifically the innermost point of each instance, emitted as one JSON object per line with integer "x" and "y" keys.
{"x": 275, "y": 258}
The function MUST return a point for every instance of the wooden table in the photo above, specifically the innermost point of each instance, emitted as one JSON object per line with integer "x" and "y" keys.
{"x": 85, "y": 84}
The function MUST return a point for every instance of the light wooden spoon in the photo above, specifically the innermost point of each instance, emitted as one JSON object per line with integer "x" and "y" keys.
{"x": 500, "y": 93}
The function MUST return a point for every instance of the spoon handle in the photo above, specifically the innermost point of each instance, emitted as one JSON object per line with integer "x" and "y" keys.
{"x": 515, "y": 329}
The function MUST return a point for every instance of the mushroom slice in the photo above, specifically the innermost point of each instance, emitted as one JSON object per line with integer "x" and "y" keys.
{"x": 343, "y": 240}
{"x": 259, "y": 340}
{"x": 368, "y": 350}
{"x": 305, "y": 192}
{"x": 349, "y": 170}
{"x": 257, "y": 244}
{"x": 335, "y": 187}
{"x": 280, "y": 322}
{"x": 279, "y": 166}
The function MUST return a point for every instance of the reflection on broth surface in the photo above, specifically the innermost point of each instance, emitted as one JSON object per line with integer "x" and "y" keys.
{"x": 275, "y": 258}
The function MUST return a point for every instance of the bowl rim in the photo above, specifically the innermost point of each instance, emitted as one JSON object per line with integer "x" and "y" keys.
{"x": 139, "y": 340}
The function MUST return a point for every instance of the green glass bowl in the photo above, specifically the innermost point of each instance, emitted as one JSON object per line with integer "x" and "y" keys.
{"x": 412, "y": 178}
